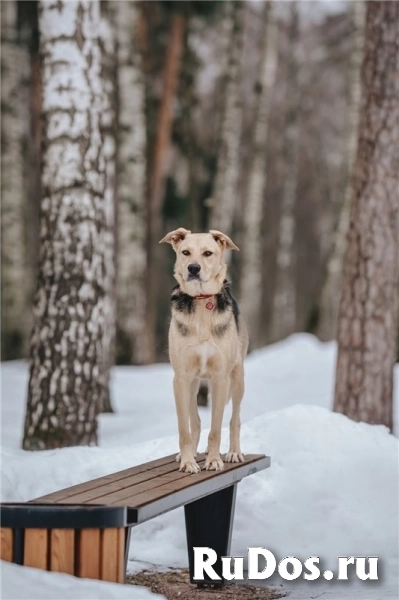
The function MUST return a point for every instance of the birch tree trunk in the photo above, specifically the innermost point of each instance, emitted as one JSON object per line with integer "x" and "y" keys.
{"x": 108, "y": 132}
{"x": 368, "y": 314}
{"x": 15, "y": 283}
{"x": 284, "y": 308}
{"x": 132, "y": 258}
{"x": 66, "y": 383}
{"x": 251, "y": 264}
{"x": 331, "y": 291}
{"x": 224, "y": 196}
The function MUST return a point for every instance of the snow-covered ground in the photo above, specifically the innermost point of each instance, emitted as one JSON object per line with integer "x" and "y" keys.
{"x": 332, "y": 489}
{"x": 22, "y": 583}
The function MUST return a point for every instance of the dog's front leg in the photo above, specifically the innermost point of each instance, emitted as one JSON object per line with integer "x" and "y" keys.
{"x": 237, "y": 392}
{"x": 181, "y": 386}
{"x": 220, "y": 391}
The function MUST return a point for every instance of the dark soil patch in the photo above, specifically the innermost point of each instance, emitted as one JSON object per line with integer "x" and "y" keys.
{"x": 175, "y": 585}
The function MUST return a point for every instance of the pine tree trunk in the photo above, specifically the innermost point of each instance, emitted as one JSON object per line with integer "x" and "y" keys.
{"x": 66, "y": 383}
{"x": 284, "y": 309}
{"x": 251, "y": 263}
{"x": 159, "y": 169}
{"x": 132, "y": 259}
{"x": 224, "y": 196}
{"x": 189, "y": 154}
{"x": 15, "y": 282}
{"x": 108, "y": 131}
{"x": 164, "y": 125}
{"x": 368, "y": 314}
{"x": 331, "y": 291}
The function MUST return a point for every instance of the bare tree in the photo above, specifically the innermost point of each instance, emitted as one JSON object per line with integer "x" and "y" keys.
{"x": 159, "y": 165}
{"x": 251, "y": 264}
{"x": 284, "y": 308}
{"x": 331, "y": 291}
{"x": 224, "y": 196}
{"x": 368, "y": 314}
{"x": 132, "y": 259}
{"x": 108, "y": 131}
{"x": 15, "y": 277}
{"x": 66, "y": 383}
{"x": 164, "y": 120}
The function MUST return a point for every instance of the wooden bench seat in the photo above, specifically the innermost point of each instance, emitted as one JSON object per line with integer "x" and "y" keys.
{"x": 126, "y": 499}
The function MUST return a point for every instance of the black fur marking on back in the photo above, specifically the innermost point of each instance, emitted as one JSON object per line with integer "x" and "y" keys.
{"x": 225, "y": 300}
{"x": 182, "y": 302}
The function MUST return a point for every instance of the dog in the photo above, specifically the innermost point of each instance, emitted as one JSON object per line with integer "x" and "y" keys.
{"x": 207, "y": 340}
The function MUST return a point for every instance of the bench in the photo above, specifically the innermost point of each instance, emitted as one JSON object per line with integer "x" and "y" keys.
{"x": 84, "y": 530}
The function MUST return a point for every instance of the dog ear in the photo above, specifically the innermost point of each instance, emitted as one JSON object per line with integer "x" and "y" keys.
{"x": 175, "y": 237}
{"x": 223, "y": 240}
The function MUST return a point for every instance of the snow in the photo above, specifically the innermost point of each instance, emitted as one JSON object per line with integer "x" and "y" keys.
{"x": 23, "y": 583}
{"x": 331, "y": 490}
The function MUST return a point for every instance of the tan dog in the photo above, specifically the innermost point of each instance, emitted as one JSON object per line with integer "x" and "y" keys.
{"x": 207, "y": 340}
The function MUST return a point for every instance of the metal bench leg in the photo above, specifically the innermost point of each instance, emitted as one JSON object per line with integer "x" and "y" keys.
{"x": 209, "y": 522}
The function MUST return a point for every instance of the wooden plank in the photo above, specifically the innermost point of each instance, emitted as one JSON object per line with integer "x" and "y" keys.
{"x": 109, "y": 554}
{"x": 113, "y": 554}
{"x": 62, "y": 550}
{"x": 88, "y": 559}
{"x": 129, "y": 491}
{"x": 165, "y": 498}
{"x": 6, "y": 545}
{"x": 142, "y": 494}
{"x": 36, "y": 548}
{"x": 147, "y": 478}
{"x": 62, "y": 495}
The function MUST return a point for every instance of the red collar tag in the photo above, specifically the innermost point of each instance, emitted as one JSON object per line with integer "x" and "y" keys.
{"x": 209, "y": 305}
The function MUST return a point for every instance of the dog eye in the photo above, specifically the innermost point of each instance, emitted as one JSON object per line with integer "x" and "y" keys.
{"x": 186, "y": 253}
{"x": 207, "y": 253}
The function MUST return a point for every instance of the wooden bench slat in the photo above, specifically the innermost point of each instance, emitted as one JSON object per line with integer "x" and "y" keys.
{"x": 148, "y": 479}
{"x": 6, "y": 547}
{"x": 170, "y": 495}
{"x": 62, "y": 495}
{"x": 119, "y": 496}
{"x": 36, "y": 548}
{"x": 113, "y": 554}
{"x": 136, "y": 500}
{"x": 88, "y": 559}
{"x": 62, "y": 550}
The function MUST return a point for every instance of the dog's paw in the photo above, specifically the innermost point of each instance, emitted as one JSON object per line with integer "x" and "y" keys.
{"x": 189, "y": 466}
{"x": 214, "y": 464}
{"x": 178, "y": 457}
{"x": 234, "y": 457}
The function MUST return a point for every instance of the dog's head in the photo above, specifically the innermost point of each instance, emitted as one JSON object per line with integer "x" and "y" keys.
{"x": 200, "y": 267}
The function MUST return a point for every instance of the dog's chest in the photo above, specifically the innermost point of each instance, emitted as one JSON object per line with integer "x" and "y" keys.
{"x": 204, "y": 352}
{"x": 203, "y": 323}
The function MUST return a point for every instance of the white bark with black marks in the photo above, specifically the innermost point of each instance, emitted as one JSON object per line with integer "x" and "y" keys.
{"x": 251, "y": 264}
{"x": 224, "y": 198}
{"x": 284, "y": 308}
{"x": 66, "y": 382}
{"x": 132, "y": 258}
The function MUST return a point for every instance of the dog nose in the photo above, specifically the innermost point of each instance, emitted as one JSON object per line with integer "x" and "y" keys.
{"x": 194, "y": 269}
